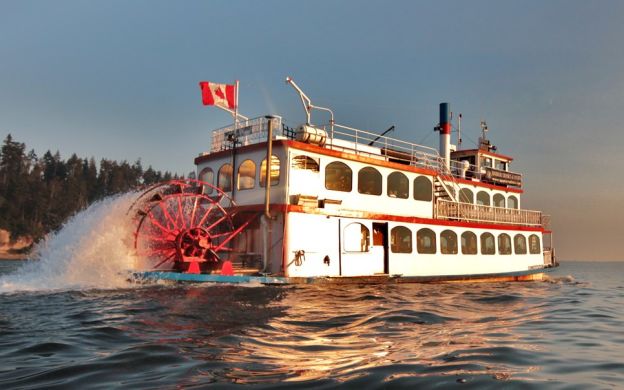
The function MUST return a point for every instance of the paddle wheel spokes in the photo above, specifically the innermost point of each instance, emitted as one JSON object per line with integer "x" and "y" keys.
{"x": 185, "y": 225}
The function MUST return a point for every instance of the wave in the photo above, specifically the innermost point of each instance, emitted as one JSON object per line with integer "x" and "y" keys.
{"x": 93, "y": 249}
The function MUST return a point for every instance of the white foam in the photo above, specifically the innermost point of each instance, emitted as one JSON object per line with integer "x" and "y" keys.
{"x": 92, "y": 250}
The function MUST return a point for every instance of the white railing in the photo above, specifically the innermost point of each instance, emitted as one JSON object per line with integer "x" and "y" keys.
{"x": 360, "y": 142}
{"x": 246, "y": 132}
{"x": 391, "y": 149}
{"x": 480, "y": 213}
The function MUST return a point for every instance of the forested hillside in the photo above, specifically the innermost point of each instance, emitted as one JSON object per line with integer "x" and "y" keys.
{"x": 37, "y": 194}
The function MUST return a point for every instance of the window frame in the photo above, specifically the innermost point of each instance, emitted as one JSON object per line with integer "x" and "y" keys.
{"x": 400, "y": 178}
{"x": 450, "y": 237}
{"x": 207, "y": 189}
{"x": 262, "y": 175}
{"x": 489, "y": 198}
{"x": 220, "y": 175}
{"x": 372, "y": 176}
{"x": 515, "y": 244}
{"x": 253, "y": 177}
{"x": 348, "y": 177}
{"x": 483, "y": 237}
{"x": 418, "y": 190}
{"x": 430, "y": 249}
{"x": 464, "y": 246}
{"x": 539, "y": 245}
{"x": 394, "y": 237}
{"x": 501, "y": 244}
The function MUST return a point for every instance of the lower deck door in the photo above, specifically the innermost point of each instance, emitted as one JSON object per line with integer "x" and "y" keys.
{"x": 358, "y": 255}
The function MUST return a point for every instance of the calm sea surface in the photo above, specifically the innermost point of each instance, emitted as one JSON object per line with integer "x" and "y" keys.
{"x": 566, "y": 333}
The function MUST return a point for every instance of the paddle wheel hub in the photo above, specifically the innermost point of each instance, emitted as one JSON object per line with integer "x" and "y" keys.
{"x": 194, "y": 243}
{"x": 185, "y": 225}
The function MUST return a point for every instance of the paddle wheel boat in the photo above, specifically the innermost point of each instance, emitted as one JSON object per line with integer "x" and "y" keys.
{"x": 334, "y": 204}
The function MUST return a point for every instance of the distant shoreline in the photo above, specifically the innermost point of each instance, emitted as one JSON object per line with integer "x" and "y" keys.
{"x": 13, "y": 256}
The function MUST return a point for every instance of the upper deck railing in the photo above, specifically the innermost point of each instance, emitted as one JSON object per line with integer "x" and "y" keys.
{"x": 481, "y": 213}
{"x": 360, "y": 142}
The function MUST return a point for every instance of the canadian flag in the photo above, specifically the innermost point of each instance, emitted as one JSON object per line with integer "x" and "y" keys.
{"x": 213, "y": 94}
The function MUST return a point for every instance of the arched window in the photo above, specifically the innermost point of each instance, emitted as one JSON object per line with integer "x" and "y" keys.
{"x": 448, "y": 242}
{"x": 398, "y": 185}
{"x": 274, "y": 174}
{"x": 534, "y": 244}
{"x": 246, "y": 175}
{"x": 400, "y": 240}
{"x": 466, "y": 196}
{"x": 423, "y": 189}
{"x": 483, "y": 198}
{"x": 520, "y": 247}
{"x": 356, "y": 238}
{"x": 488, "y": 247}
{"x": 207, "y": 176}
{"x": 512, "y": 202}
{"x": 338, "y": 177}
{"x": 426, "y": 241}
{"x": 369, "y": 181}
{"x": 469, "y": 243}
{"x": 499, "y": 200}
{"x": 224, "y": 180}
{"x": 504, "y": 244}
{"x": 305, "y": 162}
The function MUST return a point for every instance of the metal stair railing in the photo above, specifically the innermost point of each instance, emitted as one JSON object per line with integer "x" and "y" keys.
{"x": 445, "y": 176}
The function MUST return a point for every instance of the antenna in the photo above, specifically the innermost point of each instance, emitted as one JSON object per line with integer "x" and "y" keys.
{"x": 459, "y": 138}
{"x": 484, "y": 129}
{"x": 391, "y": 128}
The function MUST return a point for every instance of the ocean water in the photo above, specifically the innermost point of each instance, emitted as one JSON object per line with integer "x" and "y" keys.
{"x": 70, "y": 319}
{"x": 565, "y": 333}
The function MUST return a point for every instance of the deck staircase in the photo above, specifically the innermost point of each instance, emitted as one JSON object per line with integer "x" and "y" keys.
{"x": 445, "y": 185}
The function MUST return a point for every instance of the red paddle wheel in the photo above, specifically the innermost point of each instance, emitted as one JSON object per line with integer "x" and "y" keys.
{"x": 185, "y": 225}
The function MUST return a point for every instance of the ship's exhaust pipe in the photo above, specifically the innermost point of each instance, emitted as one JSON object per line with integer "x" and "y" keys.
{"x": 445, "y": 134}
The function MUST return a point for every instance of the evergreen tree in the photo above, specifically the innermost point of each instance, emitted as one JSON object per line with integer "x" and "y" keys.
{"x": 38, "y": 194}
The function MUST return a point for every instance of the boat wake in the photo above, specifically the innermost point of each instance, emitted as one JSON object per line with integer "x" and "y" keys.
{"x": 92, "y": 250}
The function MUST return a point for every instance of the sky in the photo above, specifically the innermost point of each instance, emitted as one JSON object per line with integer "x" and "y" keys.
{"x": 119, "y": 79}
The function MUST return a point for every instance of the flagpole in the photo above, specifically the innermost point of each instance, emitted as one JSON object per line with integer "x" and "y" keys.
{"x": 235, "y": 139}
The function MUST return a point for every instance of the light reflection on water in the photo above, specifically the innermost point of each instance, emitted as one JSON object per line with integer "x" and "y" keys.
{"x": 526, "y": 335}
